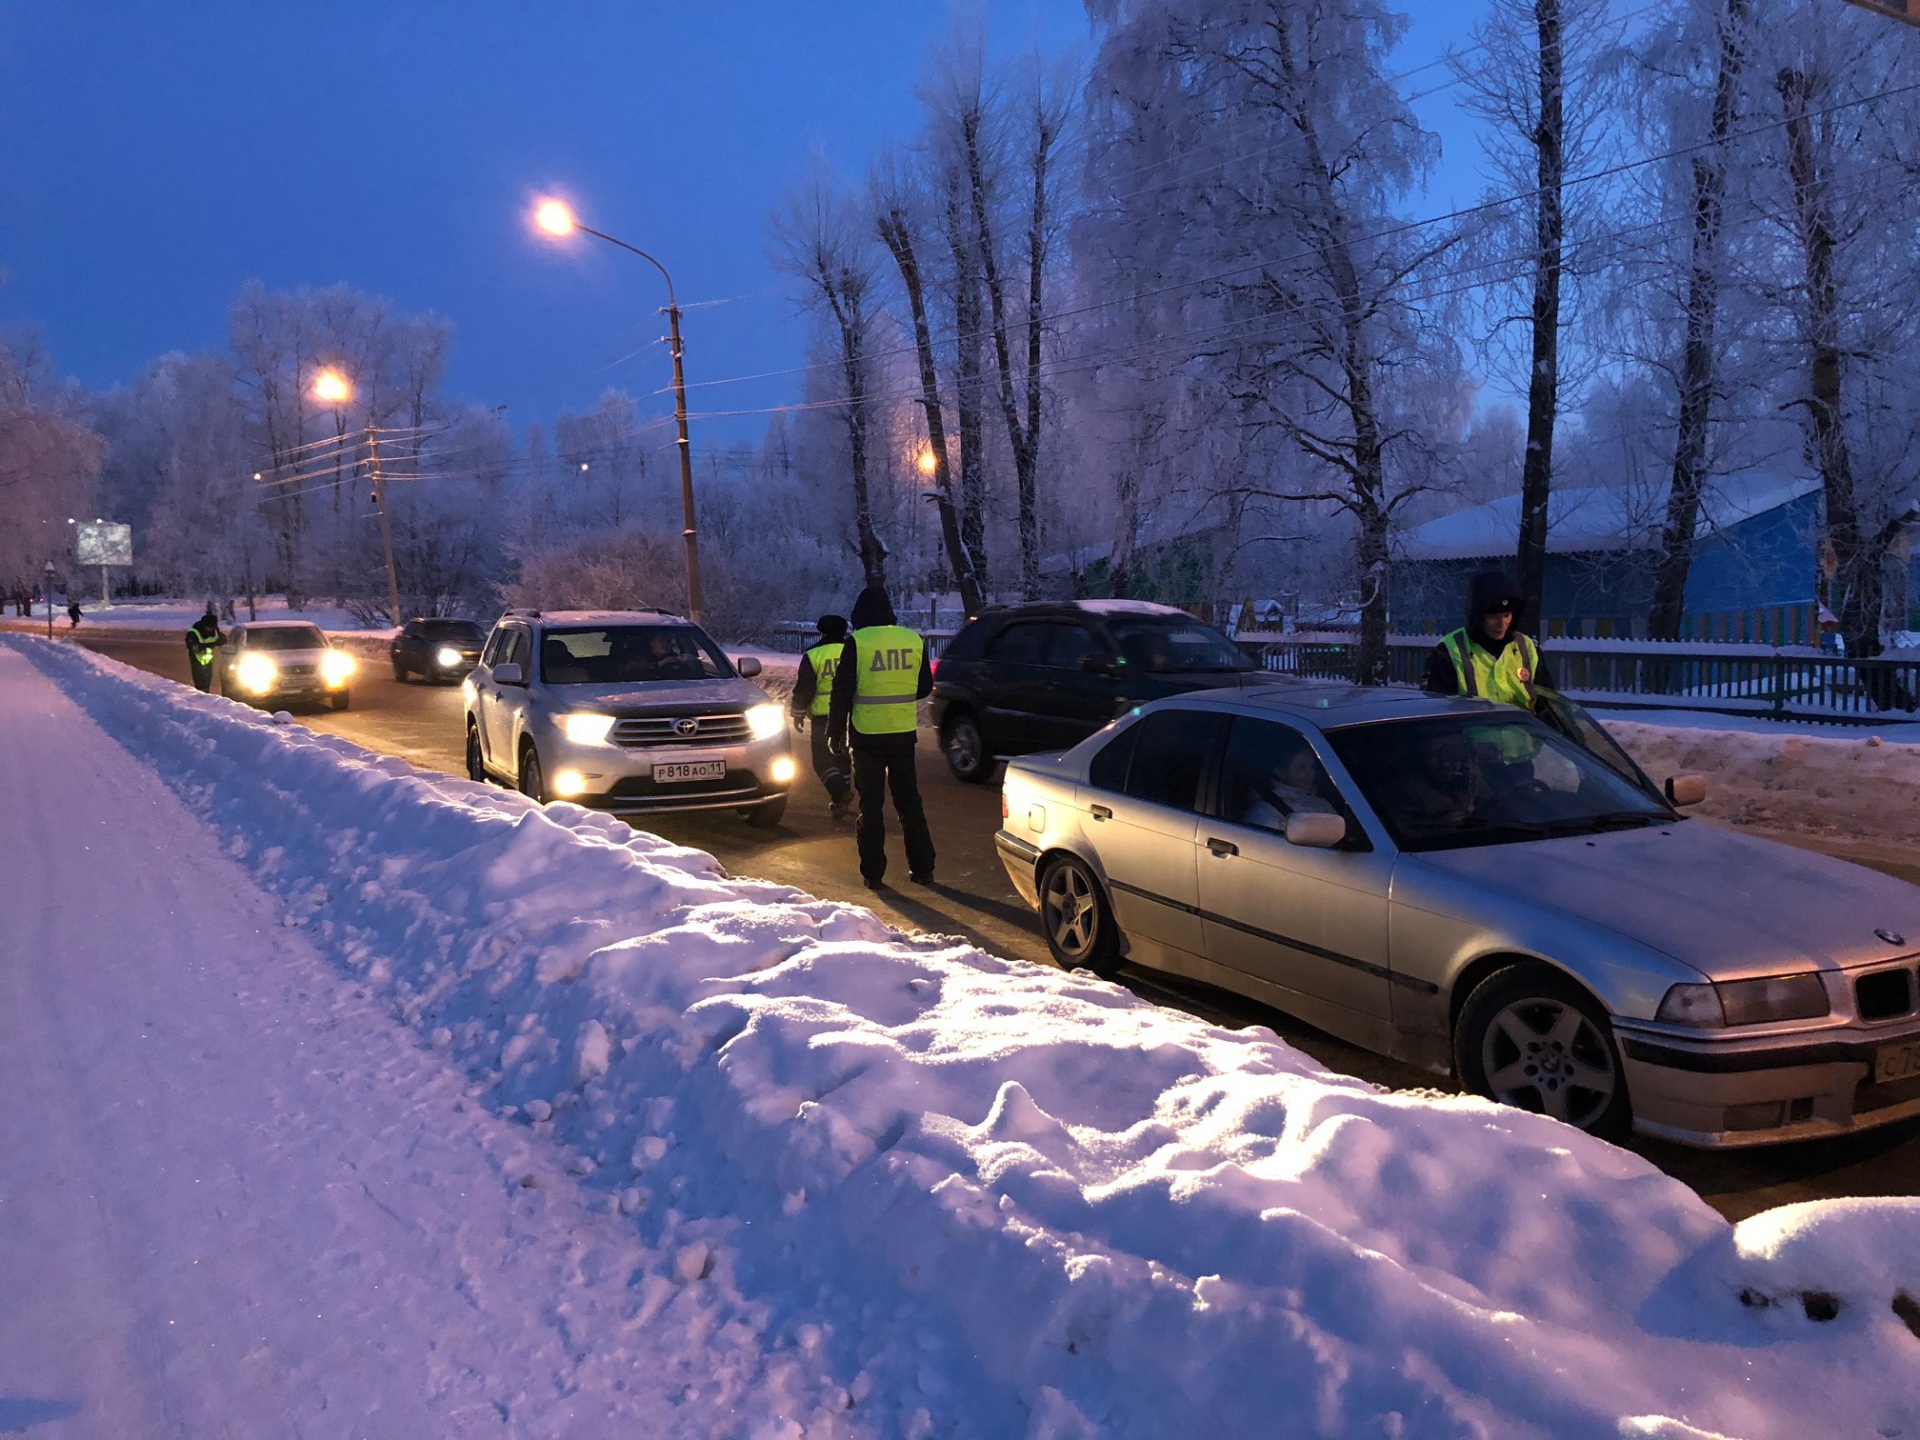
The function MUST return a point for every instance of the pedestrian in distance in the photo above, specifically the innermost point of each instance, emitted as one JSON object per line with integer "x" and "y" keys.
{"x": 1488, "y": 657}
{"x": 202, "y": 640}
{"x": 73, "y": 614}
{"x": 882, "y": 676}
{"x": 813, "y": 699}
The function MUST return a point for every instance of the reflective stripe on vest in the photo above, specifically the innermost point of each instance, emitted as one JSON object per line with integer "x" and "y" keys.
{"x": 826, "y": 660}
{"x": 1505, "y": 679}
{"x": 885, "y": 698}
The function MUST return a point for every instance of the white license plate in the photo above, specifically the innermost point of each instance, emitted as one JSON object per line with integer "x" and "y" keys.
{"x": 677, "y": 772}
{"x": 1898, "y": 1061}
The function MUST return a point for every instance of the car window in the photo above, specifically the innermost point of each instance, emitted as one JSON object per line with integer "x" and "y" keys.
{"x": 287, "y": 637}
{"x": 1270, "y": 771}
{"x": 1068, "y": 645}
{"x": 1109, "y": 768}
{"x": 969, "y": 643}
{"x": 1170, "y": 756}
{"x": 520, "y": 651}
{"x": 449, "y": 631}
{"x": 496, "y": 646}
{"x": 630, "y": 654}
{"x": 1158, "y": 644}
{"x": 1020, "y": 645}
{"x": 1479, "y": 779}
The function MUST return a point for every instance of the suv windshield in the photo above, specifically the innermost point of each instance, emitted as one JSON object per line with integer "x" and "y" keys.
{"x": 1175, "y": 644}
{"x": 1456, "y": 780}
{"x": 451, "y": 630}
{"x": 287, "y": 637}
{"x": 630, "y": 654}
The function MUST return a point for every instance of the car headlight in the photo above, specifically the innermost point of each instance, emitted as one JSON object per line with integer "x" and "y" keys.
{"x": 446, "y": 657}
{"x": 336, "y": 666}
{"x": 766, "y": 721}
{"x": 1746, "y": 1002}
{"x": 586, "y": 729}
{"x": 258, "y": 673}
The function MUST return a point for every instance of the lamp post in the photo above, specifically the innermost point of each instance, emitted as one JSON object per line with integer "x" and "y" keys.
{"x": 330, "y": 387}
{"x": 49, "y": 599}
{"x": 557, "y": 219}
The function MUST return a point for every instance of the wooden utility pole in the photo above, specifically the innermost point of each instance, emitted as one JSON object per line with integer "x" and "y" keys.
{"x": 1906, "y": 10}
{"x": 386, "y": 525}
{"x": 691, "y": 530}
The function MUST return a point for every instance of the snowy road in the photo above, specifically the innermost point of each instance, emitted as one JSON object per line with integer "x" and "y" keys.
{"x": 238, "y": 1199}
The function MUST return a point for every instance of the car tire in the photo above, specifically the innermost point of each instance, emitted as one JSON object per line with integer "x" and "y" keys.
{"x": 1529, "y": 1037}
{"x": 399, "y": 673}
{"x": 341, "y": 701}
{"x": 965, "y": 745}
{"x": 533, "y": 778}
{"x": 1076, "y": 918}
{"x": 476, "y": 762}
{"x": 767, "y": 814}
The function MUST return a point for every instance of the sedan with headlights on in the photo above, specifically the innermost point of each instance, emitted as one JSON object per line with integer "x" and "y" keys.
{"x": 1486, "y": 893}
{"x": 284, "y": 660}
{"x": 436, "y": 649}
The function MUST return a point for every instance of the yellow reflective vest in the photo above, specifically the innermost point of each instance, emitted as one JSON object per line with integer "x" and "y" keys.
{"x": 887, "y": 682}
{"x": 825, "y": 660}
{"x": 1506, "y": 678}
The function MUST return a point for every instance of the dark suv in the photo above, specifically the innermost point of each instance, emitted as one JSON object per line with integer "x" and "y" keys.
{"x": 436, "y": 649}
{"x": 1046, "y": 676}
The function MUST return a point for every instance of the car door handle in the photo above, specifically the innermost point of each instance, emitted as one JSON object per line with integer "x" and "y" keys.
{"x": 1222, "y": 848}
{"x": 1100, "y": 812}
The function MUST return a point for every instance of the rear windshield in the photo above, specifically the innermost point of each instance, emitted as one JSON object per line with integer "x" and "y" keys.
{"x": 1175, "y": 644}
{"x": 454, "y": 630}
{"x": 287, "y": 637}
{"x": 630, "y": 654}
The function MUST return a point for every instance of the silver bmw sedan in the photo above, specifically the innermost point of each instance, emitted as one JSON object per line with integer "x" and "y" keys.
{"x": 1499, "y": 896}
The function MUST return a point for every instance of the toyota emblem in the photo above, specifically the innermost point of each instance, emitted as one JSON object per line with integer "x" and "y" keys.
{"x": 1892, "y": 937}
{"x": 692, "y": 727}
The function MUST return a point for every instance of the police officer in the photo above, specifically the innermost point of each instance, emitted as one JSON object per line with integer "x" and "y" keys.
{"x": 877, "y": 687}
{"x": 812, "y": 699}
{"x": 1488, "y": 657}
{"x": 202, "y": 640}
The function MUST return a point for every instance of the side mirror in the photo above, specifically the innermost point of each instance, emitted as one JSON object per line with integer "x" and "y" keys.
{"x": 747, "y": 666}
{"x": 1316, "y": 830}
{"x": 1683, "y": 790}
{"x": 509, "y": 674}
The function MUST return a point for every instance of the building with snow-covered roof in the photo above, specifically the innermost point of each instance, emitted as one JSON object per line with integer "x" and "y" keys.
{"x": 1756, "y": 562}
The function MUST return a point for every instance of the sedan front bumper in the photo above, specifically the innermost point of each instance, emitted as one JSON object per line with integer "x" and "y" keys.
{"x": 1721, "y": 1093}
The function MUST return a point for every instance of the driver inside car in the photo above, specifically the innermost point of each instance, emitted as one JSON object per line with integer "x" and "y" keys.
{"x": 1295, "y": 784}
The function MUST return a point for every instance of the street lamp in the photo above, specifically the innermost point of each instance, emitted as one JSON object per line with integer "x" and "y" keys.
{"x": 330, "y": 387}
{"x": 50, "y": 573}
{"x": 556, "y": 218}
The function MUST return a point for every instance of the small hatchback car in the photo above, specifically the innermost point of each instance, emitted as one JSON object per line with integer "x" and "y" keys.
{"x": 291, "y": 660}
{"x": 633, "y": 712}
{"x": 1486, "y": 892}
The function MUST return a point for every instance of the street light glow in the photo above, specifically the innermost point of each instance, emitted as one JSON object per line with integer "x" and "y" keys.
{"x": 928, "y": 461}
{"x": 555, "y": 217}
{"x": 330, "y": 387}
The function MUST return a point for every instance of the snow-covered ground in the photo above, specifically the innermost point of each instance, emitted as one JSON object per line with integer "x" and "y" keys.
{"x": 1835, "y": 782}
{"x": 165, "y": 614}
{"x": 793, "y": 1174}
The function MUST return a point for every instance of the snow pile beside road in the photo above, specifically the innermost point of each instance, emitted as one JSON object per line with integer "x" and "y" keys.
{"x": 1852, "y": 786}
{"x": 1004, "y": 1201}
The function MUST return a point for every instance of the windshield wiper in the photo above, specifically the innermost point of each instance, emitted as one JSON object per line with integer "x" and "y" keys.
{"x": 1606, "y": 820}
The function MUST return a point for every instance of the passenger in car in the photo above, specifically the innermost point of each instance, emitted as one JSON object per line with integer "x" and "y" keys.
{"x": 1296, "y": 785}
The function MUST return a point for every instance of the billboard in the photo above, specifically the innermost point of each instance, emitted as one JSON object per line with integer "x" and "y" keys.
{"x": 102, "y": 542}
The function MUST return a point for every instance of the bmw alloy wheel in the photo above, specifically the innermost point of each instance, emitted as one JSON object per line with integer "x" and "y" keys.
{"x": 1542, "y": 1054}
{"x": 1079, "y": 926}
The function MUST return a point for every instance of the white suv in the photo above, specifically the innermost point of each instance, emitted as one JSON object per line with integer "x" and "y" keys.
{"x": 634, "y": 712}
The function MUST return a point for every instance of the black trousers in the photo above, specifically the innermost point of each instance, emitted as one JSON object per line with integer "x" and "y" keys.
{"x": 202, "y": 674}
{"x": 883, "y": 763}
{"x": 831, "y": 768}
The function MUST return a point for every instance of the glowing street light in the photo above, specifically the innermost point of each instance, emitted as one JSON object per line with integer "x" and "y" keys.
{"x": 556, "y": 218}
{"x": 330, "y": 387}
{"x": 928, "y": 462}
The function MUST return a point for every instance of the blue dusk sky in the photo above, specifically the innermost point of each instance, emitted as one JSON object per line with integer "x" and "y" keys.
{"x": 159, "y": 153}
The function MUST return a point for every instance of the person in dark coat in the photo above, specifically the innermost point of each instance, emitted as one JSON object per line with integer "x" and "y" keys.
{"x": 813, "y": 699}
{"x": 73, "y": 614}
{"x": 884, "y": 673}
{"x": 1489, "y": 657}
{"x": 202, "y": 640}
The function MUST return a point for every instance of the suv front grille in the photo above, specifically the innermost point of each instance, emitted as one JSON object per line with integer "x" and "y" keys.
{"x": 1884, "y": 994}
{"x": 674, "y": 730}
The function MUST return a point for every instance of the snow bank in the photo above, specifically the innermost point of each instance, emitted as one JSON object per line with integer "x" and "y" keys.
{"x": 1007, "y": 1201}
{"x": 1853, "y": 785}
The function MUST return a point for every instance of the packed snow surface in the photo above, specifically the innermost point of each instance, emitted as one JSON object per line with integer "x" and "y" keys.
{"x": 959, "y": 1196}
